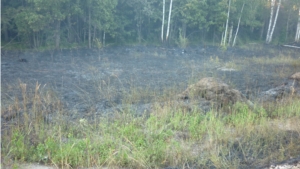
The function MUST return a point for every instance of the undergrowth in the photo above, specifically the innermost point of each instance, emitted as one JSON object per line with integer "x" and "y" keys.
{"x": 168, "y": 137}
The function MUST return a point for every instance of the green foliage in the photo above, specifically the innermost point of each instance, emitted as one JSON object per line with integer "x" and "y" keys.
{"x": 18, "y": 146}
{"x": 193, "y": 13}
{"x": 36, "y": 22}
{"x": 216, "y": 14}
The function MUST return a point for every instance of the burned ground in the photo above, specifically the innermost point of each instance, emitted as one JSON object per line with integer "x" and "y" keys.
{"x": 94, "y": 81}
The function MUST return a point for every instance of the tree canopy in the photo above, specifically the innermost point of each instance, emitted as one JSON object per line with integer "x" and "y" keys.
{"x": 94, "y": 23}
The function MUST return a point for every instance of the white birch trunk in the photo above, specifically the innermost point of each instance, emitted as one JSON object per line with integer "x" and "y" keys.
{"x": 297, "y": 37}
{"x": 225, "y": 35}
{"x": 275, "y": 21}
{"x": 237, "y": 29}
{"x": 169, "y": 19}
{"x": 163, "y": 21}
{"x": 271, "y": 20}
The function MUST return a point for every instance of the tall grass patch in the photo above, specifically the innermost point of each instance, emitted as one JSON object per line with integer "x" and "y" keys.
{"x": 168, "y": 136}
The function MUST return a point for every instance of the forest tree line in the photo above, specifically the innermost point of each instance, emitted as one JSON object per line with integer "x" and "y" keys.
{"x": 96, "y": 23}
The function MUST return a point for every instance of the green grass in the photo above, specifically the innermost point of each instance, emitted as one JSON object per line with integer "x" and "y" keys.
{"x": 168, "y": 137}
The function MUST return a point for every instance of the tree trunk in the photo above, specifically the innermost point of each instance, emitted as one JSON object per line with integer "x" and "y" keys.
{"x": 139, "y": 34}
{"x": 184, "y": 29}
{"x": 69, "y": 29}
{"x": 214, "y": 35}
{"x": 90, "y": 33}
{"x": 94, "y": 35}
{"x": 57, "y": 35}
{"x": 4, "y": 28}
{"x": 84, "y": 35}
{"x": 238, "y": 26}
{"x": 287, "y": 26}
{"x": 230, "y": 34}
{"x": 225, "y": 34}
{"x": 169, "y": 19}
{"x": 262, "y": 30}
{"x": 80, "y": 31}
{"x": 275, "y": 21}
{"x": 34, "y": 40}
{"x": 103, "y": 38}
{"x": 297, "y": 37}
{"x": 84, "y": 29}
{"x": 222, "y": 38}
{"x": 139, "y": 28}
{"x": 271, "y": 20}
{"x": 163, "y": 21}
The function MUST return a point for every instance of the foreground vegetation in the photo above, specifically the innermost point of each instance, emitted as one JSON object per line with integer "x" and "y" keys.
{"x": 167, "y": 137}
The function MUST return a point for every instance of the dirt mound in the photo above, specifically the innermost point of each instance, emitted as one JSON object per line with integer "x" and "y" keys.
{"x": 213, "y": 92}
{"x": 295, "y": 76}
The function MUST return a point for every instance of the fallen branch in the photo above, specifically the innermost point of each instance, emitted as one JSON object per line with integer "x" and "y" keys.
{"x": 290, "y": 46}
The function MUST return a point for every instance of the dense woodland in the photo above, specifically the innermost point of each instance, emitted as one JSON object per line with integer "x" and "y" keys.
{"x": 46, "y": 24}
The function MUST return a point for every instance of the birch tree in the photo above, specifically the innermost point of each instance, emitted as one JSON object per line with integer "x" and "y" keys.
{"x": 169, "y": 20}
{"x": 238, "y": 26}
{"x": 226, "y": 27}
{"x": 297, "y": 37}
{"x": 163, "y": 21}
{"x": 275, "y": 21}
{"x": 272, "y": 23}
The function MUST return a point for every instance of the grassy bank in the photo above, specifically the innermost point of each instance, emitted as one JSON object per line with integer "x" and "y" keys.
{"x": 168, "y": 137}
